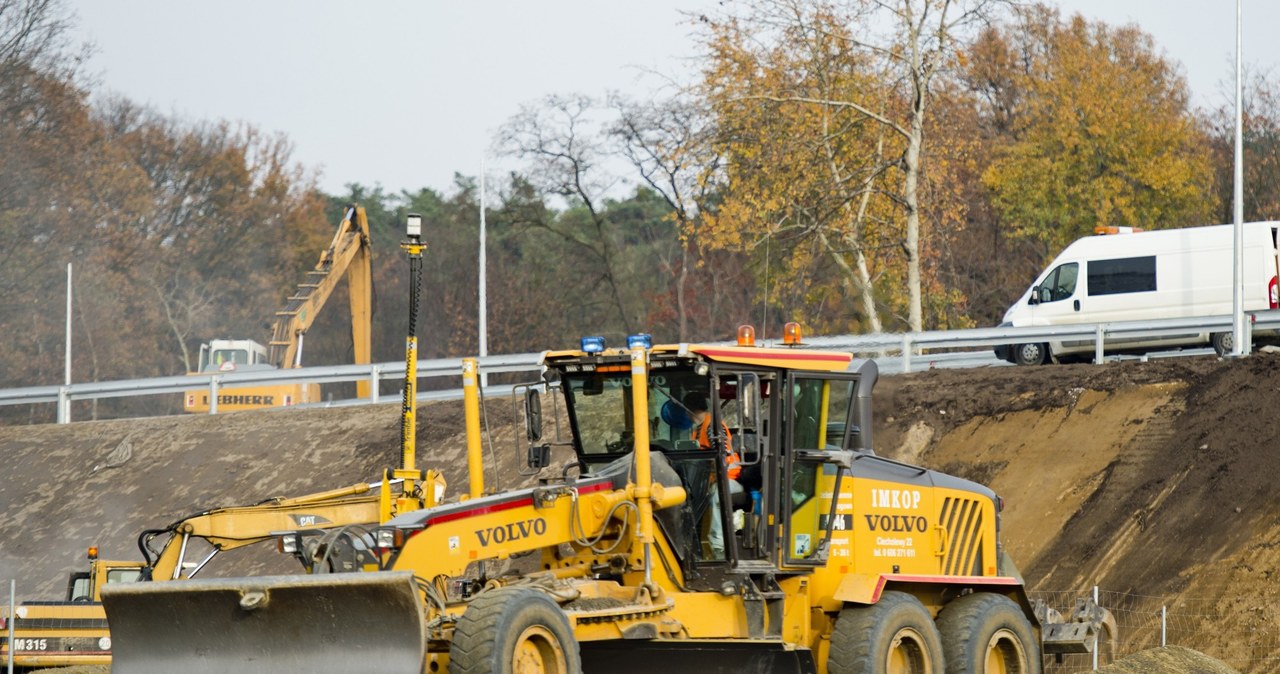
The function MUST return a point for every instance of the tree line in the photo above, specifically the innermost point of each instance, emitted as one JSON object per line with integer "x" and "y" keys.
{"x": 856, "y": 166}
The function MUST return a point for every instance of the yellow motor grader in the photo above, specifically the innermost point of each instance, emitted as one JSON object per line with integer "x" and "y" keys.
{"x": 640, "y": 551}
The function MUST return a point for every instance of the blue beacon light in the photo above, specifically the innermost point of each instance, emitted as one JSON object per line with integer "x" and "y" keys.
{"x": 640, "y": 341}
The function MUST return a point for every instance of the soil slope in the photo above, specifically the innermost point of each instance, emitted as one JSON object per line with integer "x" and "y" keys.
{"x": 1153, "y": 481}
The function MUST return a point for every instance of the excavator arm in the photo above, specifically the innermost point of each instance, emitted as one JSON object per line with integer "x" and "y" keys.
{"x": 234, "y": 527}
{"x": 347, "y": 255}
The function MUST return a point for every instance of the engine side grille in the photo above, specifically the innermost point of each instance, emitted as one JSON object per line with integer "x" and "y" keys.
{"x": 962, "y": 519}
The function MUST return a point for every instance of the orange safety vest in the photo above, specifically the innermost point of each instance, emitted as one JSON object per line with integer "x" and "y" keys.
{"x": 700, "y": 434}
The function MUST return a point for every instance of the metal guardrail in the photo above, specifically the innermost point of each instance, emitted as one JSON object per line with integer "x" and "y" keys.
{"x": 894, "y": 352}
{"x": 375, "y": 373}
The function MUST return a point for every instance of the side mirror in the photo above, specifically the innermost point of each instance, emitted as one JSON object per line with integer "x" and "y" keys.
{"x": 532, "y": 415}
{"x": 842, "y": 458}
{"x": 1035, "y": 295}
{"x": 539, "y": 456}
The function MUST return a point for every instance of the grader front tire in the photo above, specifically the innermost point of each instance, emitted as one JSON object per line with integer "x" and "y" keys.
{"x": 893, "y": 636}
{"x": 513, "y": 631}
{"x": 985, "y": 633}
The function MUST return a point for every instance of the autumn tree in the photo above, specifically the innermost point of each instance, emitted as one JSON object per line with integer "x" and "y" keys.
{"x": 178, "y": 232}
{"x": 1099, "y": 129}
{"x": 1261, "y": 145}
{"x": 857, "y": 105}
{"x": 798, "y": 177}
{"x": 564, "y": 142}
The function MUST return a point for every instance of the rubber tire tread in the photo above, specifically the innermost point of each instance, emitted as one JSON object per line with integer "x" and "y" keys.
{"x": 968, "y": 623}
{"x": 861, "y": 629}
{"x": 485, "y": 635}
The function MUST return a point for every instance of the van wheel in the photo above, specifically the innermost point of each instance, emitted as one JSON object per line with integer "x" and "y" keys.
{"x": 1030, "y": 354}
{"x": 1223, "y": 343}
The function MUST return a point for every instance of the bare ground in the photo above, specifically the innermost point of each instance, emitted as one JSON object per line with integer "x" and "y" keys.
{"x": 1154, "y": 481}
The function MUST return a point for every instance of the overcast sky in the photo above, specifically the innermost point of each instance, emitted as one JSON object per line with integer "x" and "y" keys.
{"x": 405, "y": 93}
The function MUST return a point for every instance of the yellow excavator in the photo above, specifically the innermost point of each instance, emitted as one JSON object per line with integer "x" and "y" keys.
{"x": 347, "y": 256}
{"x": 74, "y": 630}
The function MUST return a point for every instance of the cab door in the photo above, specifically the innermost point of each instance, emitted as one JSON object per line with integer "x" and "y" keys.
{"x": 818, "y": 417}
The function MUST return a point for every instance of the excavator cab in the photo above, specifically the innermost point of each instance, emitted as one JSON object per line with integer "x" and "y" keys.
{"x": 222, "y": 355}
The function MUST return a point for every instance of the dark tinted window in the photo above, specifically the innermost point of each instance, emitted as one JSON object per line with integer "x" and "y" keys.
{"x": 1123, "y": 275}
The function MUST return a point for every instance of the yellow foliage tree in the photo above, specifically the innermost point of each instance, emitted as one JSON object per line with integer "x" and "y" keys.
{"x": 825, "y": 127}
{"x": 1098, "y": 125}
{"x": 803, "y": 181}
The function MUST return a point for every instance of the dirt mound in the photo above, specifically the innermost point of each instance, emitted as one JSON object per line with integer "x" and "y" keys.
{"x": 1152, "y": 481}
{"x": 1168, "y": 660}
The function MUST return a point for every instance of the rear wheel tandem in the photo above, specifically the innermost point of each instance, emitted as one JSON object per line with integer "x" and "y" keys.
{"x": 893, "y": 636}
{"x": 513, "y": 631}
{"x": 985, "y": 633}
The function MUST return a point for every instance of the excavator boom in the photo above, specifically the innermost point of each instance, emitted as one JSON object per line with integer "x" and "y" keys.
{"x": 347, "y": 256}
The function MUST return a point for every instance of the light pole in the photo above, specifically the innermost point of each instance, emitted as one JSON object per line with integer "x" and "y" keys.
{"x": 1237, "y": 293}
{"x": 484, "y": 304}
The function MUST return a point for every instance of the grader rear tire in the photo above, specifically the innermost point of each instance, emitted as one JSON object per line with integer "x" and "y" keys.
{"x": 985, "y": 633}
{"x": 514, "y": 631}
{"x": 894, "y": 636}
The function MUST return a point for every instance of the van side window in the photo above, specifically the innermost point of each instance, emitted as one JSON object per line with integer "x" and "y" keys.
{"x": 1060, "y": 283}
{"x": 1122, "y": 275}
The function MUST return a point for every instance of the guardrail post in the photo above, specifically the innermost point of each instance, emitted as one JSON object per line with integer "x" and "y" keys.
{"x": 1097, "y": 346}
{"x": 375, "y": 377}
{"x": 214, "y": 382}
{"x": 64, "y": 404}
{"x": 906, "y": 352}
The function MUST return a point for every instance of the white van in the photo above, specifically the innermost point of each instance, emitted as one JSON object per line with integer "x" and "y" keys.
{"x": 1134, "y": 276}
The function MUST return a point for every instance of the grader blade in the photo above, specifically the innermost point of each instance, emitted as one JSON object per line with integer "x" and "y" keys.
{"x": 268, "y": 625}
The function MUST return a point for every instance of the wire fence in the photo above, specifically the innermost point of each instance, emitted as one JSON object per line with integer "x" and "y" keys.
{"x": 1241, "y": 633}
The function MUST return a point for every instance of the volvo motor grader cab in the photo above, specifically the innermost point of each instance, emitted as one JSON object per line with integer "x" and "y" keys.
{"x": 641, "y": 554}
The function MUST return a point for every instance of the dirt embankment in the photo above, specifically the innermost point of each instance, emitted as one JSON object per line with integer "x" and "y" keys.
{"x": 1154, "y": 481}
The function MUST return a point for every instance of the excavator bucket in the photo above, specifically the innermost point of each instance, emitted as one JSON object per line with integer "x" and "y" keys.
{"x": 346, "y": 622}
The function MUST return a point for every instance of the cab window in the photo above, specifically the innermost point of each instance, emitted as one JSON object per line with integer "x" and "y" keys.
{"x": 79, "y": 587}
{"x": 129, "y": 575}
{"x": 1059, "y": 284}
